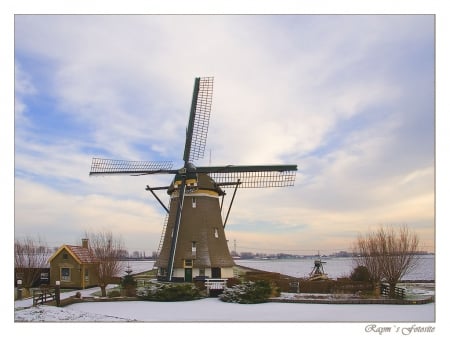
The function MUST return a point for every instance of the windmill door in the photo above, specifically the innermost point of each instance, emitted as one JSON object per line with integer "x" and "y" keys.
{"x": 215, "y": 272}
{"x": 187, "y": 274}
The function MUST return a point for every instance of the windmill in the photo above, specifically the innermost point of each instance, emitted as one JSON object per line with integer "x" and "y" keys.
{"x": 193, "y": 242}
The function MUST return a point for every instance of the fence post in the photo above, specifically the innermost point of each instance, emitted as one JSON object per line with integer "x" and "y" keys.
{"x": 57, "y": 293}
{"x": 19, "y": 289}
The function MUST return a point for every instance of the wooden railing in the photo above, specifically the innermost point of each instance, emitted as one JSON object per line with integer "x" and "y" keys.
{"x": 398, "y": 291}
{"x": 216, "y": 283}
{"x": 43, "y": 295}
{"x": 215, "y": 286}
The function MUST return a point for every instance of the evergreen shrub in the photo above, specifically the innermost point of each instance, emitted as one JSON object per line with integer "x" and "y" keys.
{"x": 248, "y": 292}
{"x": 168, "y": 292}
{"x": 360, "y": 273}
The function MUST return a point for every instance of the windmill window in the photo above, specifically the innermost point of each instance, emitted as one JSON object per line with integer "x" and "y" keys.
{"x": 194, "y": 202}
{"x": 216, "y": 233}
{"x": 188, "y": 263}
{"x": 194, "y": 246}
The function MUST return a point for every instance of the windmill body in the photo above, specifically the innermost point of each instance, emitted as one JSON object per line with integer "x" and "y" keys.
{"x": 202, "y": 250}
{"x": 193, "y": 243}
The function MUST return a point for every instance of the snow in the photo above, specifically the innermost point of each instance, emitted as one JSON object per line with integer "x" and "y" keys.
{"x": 347, "y": 319}
{"x": 214, "y": 310}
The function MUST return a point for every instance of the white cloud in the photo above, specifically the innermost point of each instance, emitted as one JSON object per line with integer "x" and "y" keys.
{"x": 320, "y": 92}
{"x": 64, "y": 217}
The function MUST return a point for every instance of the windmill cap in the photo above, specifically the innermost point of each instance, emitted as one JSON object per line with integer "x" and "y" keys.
{"x": 200, "y": 181}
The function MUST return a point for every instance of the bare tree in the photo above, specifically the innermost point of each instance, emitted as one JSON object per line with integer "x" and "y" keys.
{"x": 365, "y": 254}
{"x": 388, "y": 254}
{"x": 107, "y": 251}
{"x": 30, "y": 257}
{"x": 398, "y": 251}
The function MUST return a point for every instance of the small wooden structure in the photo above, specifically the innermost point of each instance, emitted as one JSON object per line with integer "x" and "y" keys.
{"x": 318, "y": 273}
{"x": 74, "y": 266}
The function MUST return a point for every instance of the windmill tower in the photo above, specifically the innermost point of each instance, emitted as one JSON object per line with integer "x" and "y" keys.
{"x": 194, "y": 242}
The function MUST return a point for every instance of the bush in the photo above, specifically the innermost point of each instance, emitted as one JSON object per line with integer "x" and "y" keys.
{"x": 168, "y": 292}
{"x": 360, "y": 273}
{"x": 248, "y": 292}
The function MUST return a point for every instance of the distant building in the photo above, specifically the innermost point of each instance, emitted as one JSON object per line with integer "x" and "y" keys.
{"x": 74, "y": 266}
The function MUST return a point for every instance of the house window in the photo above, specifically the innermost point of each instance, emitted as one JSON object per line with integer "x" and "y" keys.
{"x": 86, "y": 275}
{"x": 194, "y": 202}
{"x": 44, "y": 276}
{"x": 65, "y": 274}
{"x": 187, "y": 263}
{"x": 216, "y": 233}
{"x": 65, "y": 256}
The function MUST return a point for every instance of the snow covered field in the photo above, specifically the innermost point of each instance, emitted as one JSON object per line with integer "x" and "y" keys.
{"x": 214, "y": 310}
{"x": 347, "y": 319}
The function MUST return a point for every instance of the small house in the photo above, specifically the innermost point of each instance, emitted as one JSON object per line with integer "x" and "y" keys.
{"x": 74, "y": 266}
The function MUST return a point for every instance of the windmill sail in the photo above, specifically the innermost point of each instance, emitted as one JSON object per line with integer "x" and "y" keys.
{"x": 101, "y": 166}
{"x": 198, "y": 125}
{"x": 259, "y": 176}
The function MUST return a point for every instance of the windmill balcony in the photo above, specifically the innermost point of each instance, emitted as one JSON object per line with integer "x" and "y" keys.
{"x": 215, "y": 286}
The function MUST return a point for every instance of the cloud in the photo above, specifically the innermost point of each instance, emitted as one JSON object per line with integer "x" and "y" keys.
{"x": 65, "y": 217}
{"x": 348, "y": 98}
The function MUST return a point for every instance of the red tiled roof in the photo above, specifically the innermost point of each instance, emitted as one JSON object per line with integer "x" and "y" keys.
{"x": 82, "y": 254}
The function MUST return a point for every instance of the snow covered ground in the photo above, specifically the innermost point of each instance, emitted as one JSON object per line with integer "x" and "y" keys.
{"x": 297, "y": 318}
{"x": 214, "y": 310}
{"x": 227, "y": 318}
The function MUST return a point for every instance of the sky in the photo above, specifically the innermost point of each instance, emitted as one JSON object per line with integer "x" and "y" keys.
{"x": 350, "y": 99}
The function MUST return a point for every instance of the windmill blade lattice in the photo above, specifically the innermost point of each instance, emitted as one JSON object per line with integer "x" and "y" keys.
{"x": 199, "y": 119}
{"x": 101, "y": 166}
{"x": 259, "y": 176}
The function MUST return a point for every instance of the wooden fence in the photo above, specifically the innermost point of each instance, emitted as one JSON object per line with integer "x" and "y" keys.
{"x": 43, "y": 295}
{"x": 399, "y": 292}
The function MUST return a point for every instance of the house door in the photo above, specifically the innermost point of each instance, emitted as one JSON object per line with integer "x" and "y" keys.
{"x": 215, "y": 272}
{"x": 187, "y": 274}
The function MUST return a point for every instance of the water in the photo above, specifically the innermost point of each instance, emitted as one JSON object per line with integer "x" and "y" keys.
{"x": 334, "y": 267}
